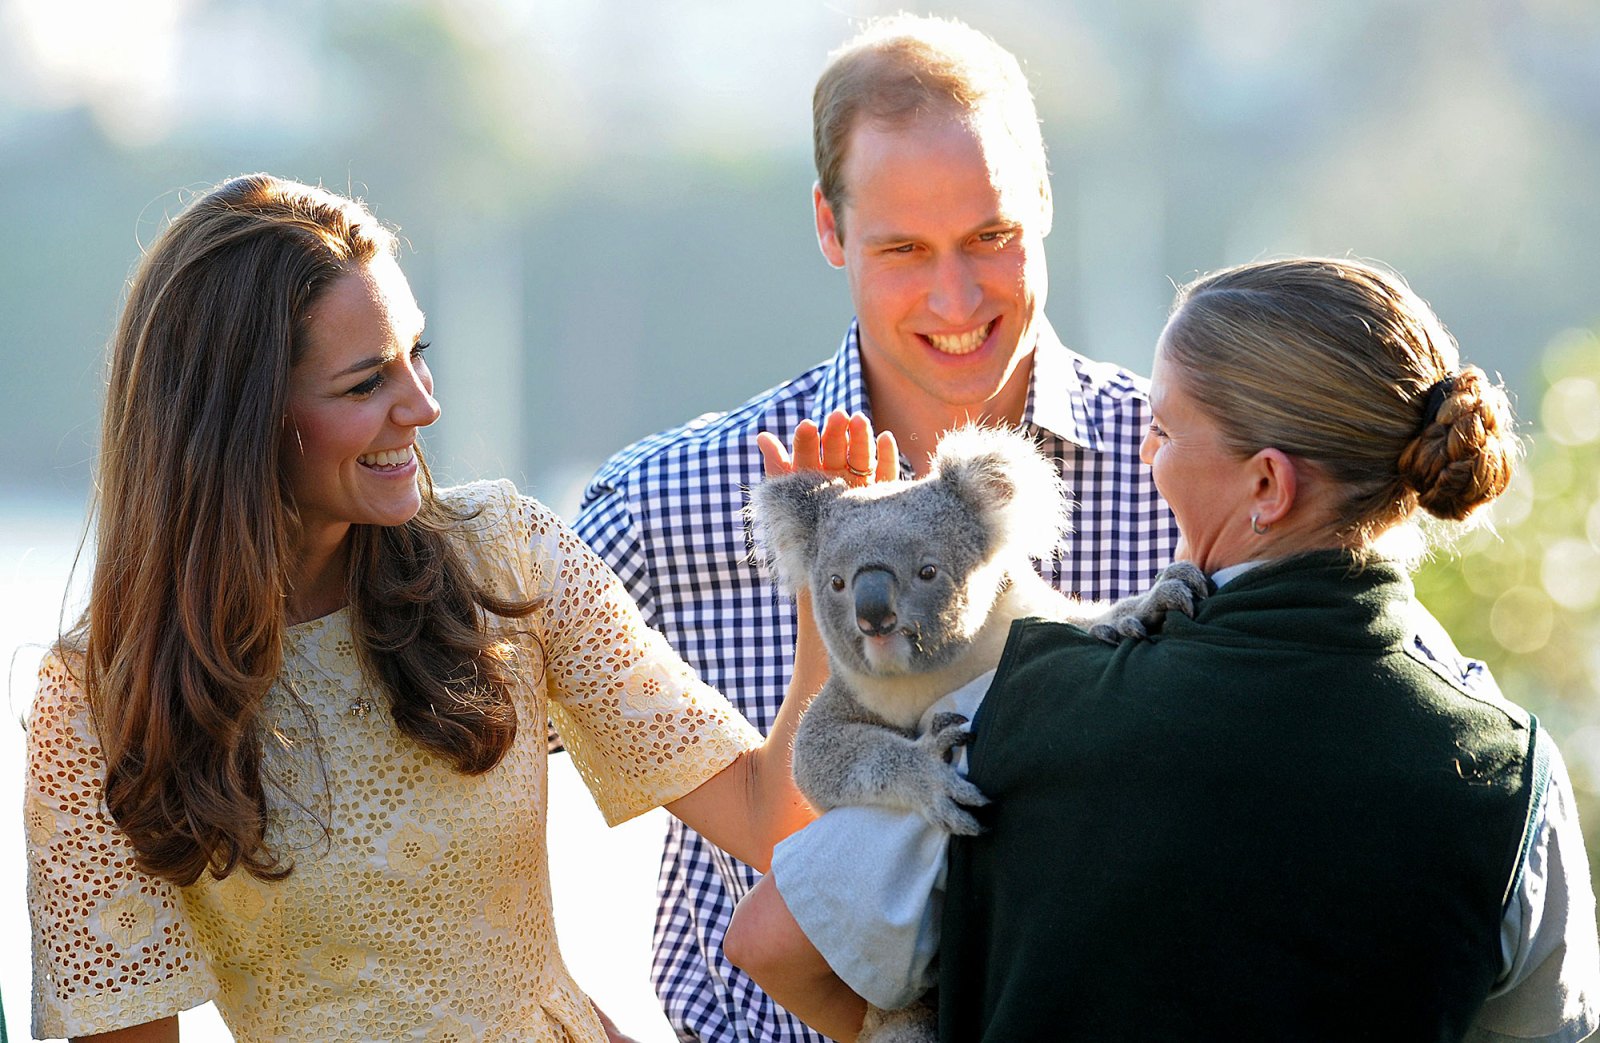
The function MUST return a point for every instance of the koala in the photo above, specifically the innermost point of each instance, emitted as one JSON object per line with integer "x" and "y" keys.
{"x": 915, "y": 585}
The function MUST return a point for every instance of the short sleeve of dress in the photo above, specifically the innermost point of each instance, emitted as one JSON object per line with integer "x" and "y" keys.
{"x": 111, "y": 948}
{"x": 642, "y": 728}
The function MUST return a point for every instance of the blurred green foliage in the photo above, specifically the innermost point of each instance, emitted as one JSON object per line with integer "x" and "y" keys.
{"x": 1523, "y": 592}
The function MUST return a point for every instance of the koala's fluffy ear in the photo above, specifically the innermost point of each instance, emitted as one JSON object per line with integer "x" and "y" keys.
{"x": 1005, "y": 479}
{"x": 784, "y": 514}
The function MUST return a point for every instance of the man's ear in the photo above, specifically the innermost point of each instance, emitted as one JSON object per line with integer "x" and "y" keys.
{"x": 829, "y": 237}
{"x": 1276, "y": 485}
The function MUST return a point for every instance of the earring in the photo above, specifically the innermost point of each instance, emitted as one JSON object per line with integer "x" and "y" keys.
{"x": 1256, "y": 526}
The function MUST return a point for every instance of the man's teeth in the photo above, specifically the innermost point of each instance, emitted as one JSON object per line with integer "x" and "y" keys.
{"x": 962, "y": 343}
{"x": 387, "y": 458}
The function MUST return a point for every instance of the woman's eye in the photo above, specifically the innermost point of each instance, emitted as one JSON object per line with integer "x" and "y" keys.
{"x": 419, "y": 347}
{"x": 1156, "y": 429}
{"x": 368, "y": 386}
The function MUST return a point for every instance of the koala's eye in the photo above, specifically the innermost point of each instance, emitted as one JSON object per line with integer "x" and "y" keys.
{"x": 928, "y": 572}
{"x": 837, "y": 582}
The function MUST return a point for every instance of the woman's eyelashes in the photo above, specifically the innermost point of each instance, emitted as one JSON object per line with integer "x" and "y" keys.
{"x": 374, "y": 382}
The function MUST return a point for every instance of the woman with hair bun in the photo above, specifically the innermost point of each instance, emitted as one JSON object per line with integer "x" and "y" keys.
{"x": 1300, "y": 814}
{"x": 292, "y": 759}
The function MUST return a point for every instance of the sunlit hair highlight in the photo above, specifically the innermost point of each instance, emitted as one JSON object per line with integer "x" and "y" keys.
{"x": 905, "y": 67}
{"x": 1333, "y": 361}
{"x": 184, "y": 632}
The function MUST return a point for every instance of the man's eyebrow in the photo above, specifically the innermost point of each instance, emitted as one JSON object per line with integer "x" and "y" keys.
{"x": 997, "y": 220}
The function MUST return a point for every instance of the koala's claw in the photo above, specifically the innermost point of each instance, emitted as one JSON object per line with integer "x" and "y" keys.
{"x": 949, "y": 816}
{"x": 1178, "y": 587}
{"x": 945, "y": 733}
{"x": 945, "y": 793}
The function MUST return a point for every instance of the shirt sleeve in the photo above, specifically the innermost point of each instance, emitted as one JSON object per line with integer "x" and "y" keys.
{"x": 642, "y": 728}
{"x": 1551, "y": 988}
{"x": 111, "y": 946}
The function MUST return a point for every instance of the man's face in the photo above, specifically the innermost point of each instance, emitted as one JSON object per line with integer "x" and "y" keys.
{"x": 941, "y": 238}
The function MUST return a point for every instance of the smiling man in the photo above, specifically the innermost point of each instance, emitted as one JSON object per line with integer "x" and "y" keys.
{"x": 933, "y": 196}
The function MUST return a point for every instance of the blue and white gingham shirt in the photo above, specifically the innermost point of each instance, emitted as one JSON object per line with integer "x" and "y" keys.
{"x": 667, "y": 514}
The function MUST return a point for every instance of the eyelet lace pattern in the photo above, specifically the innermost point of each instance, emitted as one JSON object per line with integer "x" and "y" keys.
{"x": 419, "y": 905}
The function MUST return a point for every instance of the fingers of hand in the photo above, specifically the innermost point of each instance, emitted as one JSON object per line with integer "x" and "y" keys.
{"x": 888, "y": 465}
{"x": 860, "y": 456}
{"x": 774, "y": 457}
{"x": 844, "y": 446}
{"x": 807, "y": 454}
{"x": 835, "y": 441}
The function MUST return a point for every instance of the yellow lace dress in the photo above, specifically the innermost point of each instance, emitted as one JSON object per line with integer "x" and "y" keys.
{"x": 419, "y": 904}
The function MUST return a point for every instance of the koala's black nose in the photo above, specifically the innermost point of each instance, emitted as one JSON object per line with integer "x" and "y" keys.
{"x": 874, "y": 594}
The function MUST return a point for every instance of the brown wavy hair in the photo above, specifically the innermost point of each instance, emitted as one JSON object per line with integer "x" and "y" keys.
{"x": 1340, "y": 363}
{"x": 196, "y": 533}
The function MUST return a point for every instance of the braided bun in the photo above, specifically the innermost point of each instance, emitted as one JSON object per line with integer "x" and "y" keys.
{"x": 1464, "y": 455}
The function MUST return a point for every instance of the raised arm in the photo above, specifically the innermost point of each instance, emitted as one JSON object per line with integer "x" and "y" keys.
{"x": 752, "y": 804}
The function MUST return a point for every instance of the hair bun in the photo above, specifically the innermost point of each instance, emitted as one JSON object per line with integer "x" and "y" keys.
{"x": 1464, "y": 455}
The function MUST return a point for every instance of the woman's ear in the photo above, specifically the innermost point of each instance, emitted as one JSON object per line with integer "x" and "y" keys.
{"x": 1276, "y": 484}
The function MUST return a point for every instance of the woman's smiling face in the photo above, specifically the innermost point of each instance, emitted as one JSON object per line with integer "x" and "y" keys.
{"x": 357, "y": 397}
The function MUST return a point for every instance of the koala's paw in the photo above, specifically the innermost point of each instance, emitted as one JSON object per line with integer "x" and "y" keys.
{"x": 914, "y": 1024}
{"x": 941, "y": 793}
{"x": 1178, "y": 587}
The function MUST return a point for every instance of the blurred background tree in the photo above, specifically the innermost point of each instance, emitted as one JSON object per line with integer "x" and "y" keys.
{"x": 1523, "y": 592}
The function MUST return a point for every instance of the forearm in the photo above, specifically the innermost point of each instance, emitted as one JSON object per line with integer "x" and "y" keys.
{"x": 749, "y": 806}
{"x": 163, "y": 1031}
{"x": 766, "y": 943}
{"x": 773, "y": 762}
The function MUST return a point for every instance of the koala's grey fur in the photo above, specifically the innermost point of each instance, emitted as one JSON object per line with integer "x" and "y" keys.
{"x": 915, "y": 585}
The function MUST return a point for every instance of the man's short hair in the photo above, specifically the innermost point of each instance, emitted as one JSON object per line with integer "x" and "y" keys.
{"x": 900, "y": 68}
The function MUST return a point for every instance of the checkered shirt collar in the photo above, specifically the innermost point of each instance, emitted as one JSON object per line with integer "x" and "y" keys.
{"x": 1066, "y": 416}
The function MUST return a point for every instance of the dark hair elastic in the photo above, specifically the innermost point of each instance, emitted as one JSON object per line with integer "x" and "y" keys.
{"x": 1436, "y": 396}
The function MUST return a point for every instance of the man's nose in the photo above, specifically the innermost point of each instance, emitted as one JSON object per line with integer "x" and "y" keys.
{"x": 955, "y": 293}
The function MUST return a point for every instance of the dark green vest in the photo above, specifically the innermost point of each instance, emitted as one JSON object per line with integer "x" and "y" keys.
{"x": 1293, "y": 817}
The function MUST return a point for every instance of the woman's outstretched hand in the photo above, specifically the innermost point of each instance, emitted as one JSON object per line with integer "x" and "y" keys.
{"x": 844, "y": 447}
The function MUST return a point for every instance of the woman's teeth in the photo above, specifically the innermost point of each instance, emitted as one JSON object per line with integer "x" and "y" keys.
{"x": 387, "y": 458}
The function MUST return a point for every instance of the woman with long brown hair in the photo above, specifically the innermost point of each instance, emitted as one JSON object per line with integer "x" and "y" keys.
{"x": 292, "y": 758}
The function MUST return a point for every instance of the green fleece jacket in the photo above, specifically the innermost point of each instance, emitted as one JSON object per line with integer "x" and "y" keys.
{"x": 1295, "y": 816}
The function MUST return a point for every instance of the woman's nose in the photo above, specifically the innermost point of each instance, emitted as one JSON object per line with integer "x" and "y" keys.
{"x": 417, "y": 407}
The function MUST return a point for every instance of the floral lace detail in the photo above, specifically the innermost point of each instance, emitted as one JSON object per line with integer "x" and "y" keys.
{"x": 419, "y": 904}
